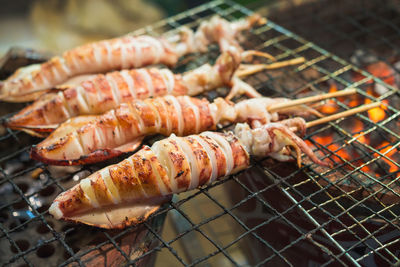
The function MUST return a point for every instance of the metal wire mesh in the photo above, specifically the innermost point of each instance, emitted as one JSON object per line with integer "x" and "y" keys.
{"x": 273, "y": 213}
{"x": 346, "y": 26}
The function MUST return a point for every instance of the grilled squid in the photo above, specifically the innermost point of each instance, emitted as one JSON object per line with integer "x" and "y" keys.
{"x": 130, "y": 191}
{"x": 28, "y": 83}
{"x": 89, "y": 139}
{"x": 104, "y": 92}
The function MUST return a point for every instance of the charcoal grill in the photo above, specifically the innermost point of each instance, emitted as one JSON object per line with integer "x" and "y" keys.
{"x": 273, "y": 213}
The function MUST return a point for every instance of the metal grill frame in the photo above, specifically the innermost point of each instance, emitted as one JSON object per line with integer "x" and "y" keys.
{"x": 300, "y": 201}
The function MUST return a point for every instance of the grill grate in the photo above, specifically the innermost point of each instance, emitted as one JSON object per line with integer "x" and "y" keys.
{"x": 273, "y": 213}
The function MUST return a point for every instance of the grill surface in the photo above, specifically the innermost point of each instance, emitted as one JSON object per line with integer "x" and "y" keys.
{"x": 273, "y": 213}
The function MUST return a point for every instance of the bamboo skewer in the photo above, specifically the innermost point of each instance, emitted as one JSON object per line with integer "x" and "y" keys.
{"x": 340, "y": 115}
{"x": 343, "y": 114}
{"x": 300, "y": 101}
{"x": 248, "y": 69}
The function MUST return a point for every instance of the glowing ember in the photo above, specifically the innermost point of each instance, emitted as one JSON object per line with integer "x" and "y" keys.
{"x": 380, "y": 70}
{"x": 340, "y": 154}
{"x": 383, "y": 71}
{"x": 353, "y": 103}
{"x": 330, "y": 107}
{"x": 375, "y": 114}
{"x": 344, "y": 152}
{"x": 388, "y": 154}
{"x": 357, "y": 130}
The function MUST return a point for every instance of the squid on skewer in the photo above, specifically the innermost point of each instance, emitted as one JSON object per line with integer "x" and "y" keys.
{"x": 28, "y": 83}
{"x": 130, "y": 191}
{"x": 101, "y": 93}
{"x": 89, "y": 139}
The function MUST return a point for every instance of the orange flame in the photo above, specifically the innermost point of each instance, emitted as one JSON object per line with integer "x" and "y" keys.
{"x": 378, "y": 69}
{"x": 383, "y": 71}
{"x": 384, "y": 151}
{"x": 358, "y": 127}
{"x": 340, "y": 153}
{"x": 330, "y": 106}
{"x": 376, "y": 114}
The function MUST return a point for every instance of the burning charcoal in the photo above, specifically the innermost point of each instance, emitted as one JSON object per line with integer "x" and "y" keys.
{"x": 381, "y": 70}
{"x": 311, "y": 74}
{"x": 380, "y": 167}
{"x": 361, "y": 58}
{"x": 380, "y": 89}
{"x": 396, "y": 67}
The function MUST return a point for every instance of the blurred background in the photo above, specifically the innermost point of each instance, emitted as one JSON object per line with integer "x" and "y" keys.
{"x": 55, "y": 25}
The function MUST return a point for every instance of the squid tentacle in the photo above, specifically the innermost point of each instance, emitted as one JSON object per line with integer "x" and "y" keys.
{"x": 274, "y": 138}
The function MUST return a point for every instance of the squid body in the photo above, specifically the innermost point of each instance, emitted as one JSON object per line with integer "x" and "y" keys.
{"x": 130, "y": 191}
{"x": 101, "y": 93}
{"x": 28, "y": 83}
{"x": 89, "y": 139}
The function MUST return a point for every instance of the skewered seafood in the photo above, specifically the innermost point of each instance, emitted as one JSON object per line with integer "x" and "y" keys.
{"x": 28, "y": 83}
{"x": 101, "y": 92}
{"x": 89, "y": 139}
{"x": 104, "y": 92}
{"x": 130, "y": 191}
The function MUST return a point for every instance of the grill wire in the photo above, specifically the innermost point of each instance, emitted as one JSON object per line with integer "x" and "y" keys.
{"x": 276, "y": 213}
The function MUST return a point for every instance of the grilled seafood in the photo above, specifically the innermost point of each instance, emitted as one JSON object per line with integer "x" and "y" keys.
{"x": 104, "y": 92}
{"x": 89, "y": 139}
{"x": 28, "y": 83}
{"x": 128, "y": 192}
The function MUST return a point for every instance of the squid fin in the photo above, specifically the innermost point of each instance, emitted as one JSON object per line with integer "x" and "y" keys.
{"x": 21, "y": 98}
{"x": 93, "y": 157}
{"x": 131, "y": 146}
{"x": 115, "y": 216}
{"x": 41, "y": 131}
{"x": 33, "y": 132}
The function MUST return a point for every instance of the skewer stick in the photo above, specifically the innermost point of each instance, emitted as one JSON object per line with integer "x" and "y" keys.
{"x": 343, "y": 114}
{"x": 253, "y": 68}
{"x": 300, "y": 101}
